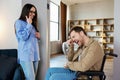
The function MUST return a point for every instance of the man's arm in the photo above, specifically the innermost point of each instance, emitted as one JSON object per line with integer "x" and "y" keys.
{"x": 70, "y": 53}
{"x": 94, "y": 55}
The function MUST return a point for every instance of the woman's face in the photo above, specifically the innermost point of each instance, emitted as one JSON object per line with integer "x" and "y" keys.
{"x": 32, "y": 13}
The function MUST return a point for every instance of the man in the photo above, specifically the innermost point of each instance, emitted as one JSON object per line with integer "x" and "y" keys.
{"x": 88, "y": 56}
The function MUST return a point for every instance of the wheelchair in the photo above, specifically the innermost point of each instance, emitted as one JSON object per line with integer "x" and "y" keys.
{"x": 92, "y": 73}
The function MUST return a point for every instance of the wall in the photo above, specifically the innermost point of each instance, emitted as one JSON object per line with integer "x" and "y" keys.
{"x": 56, "y": 47}
{"x": 116, "y": 66}
{"x": 99, "y": 9}
{"x": 90, "y": 10}
{"x": 10, "y": 11}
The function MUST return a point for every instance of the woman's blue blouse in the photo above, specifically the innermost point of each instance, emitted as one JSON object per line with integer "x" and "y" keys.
{"x": 28, "y": 48}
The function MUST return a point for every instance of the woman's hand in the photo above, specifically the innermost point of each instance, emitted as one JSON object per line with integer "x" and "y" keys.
{"x": 37, "y": 34}
{"x": 28, "y": 19}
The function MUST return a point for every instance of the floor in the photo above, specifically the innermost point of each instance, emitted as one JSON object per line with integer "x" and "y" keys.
{"x": 60, "y": 60}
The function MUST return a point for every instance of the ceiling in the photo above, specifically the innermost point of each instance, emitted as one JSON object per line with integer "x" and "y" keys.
{"x": 72, "y": 2}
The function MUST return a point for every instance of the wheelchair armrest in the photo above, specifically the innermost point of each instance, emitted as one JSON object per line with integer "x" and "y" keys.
{"x": 90, "y": 73}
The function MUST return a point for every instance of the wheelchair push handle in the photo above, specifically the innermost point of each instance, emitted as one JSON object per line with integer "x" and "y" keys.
{"x": 112, "y": 54}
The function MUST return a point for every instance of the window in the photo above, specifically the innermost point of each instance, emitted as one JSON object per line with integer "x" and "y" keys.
{"x": 54, "y": 22}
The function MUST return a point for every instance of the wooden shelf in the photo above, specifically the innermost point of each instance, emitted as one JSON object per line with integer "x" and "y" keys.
{"x": 101, "y": 29}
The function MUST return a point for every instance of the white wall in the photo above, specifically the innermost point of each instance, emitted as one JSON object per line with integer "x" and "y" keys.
{"x": 9, "y": 12}
{"x": 116, "y": 66}
{"x": 98, "y": 9}
{"x": 56, "y": 47}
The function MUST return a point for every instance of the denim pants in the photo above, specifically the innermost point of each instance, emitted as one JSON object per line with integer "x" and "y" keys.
{"x": 60, "y": 74}
{"x": 29, "y": 69}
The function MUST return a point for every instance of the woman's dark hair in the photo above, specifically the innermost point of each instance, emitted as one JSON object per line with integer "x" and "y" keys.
{"x": 25, "y": 12}
{"x": 77, "y": 29}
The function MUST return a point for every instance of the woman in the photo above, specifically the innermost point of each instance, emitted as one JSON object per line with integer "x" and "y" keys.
{"x": 28, "y": 35}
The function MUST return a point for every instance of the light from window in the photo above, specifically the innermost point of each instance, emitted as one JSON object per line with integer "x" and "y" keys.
{"x": 54, "y": 22}
{"x": 53, "y": 31}
{"x": 53, "y": 12}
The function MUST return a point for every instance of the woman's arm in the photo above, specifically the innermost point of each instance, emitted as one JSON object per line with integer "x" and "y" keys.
{"x": 22, "y": 30}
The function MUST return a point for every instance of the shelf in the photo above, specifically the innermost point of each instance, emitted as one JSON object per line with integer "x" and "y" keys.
{"x": 107, "y": 42}
{"x": 107, "y": 49}
{"x": 92, "y": 31}
{"x": 96, "y": 36}
{"x": 108, "y": 30}
{"x": 107, "y": 36}
{"x": 105, "y": 24}
{"x": 100, "y": 29}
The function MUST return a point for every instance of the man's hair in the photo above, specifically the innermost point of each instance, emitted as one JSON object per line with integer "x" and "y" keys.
{"x": 77, "y": 29}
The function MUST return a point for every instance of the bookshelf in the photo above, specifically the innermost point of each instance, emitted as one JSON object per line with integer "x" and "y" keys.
{"x": 101, "y": 29}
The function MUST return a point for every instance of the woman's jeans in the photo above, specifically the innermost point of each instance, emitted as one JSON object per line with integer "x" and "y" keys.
{"x": 60, "y": 74}
{"x": 29, "y": 69}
